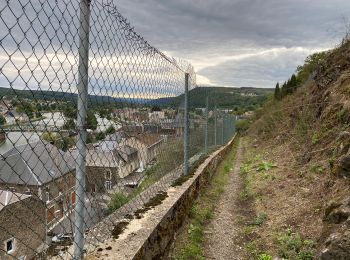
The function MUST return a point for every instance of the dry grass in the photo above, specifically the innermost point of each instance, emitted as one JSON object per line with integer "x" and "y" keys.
{"x": 299, "y": 134}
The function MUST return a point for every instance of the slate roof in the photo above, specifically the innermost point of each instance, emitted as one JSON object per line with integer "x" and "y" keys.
{"x": 34, "y": 164}
{"x": 99, "y": 158}
{"x": 9, "y": 197}
{"x": 149, "y": 139}
{"x": 125, "y": 151}
{"x": 111, "y": 142}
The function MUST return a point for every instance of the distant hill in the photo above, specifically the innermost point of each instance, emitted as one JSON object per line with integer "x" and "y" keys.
{"x": 67, "y": 96}
{"x": 242, "y": 98}
{"x": 223, "y": 97}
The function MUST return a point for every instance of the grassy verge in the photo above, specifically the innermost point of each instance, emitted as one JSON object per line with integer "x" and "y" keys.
{"x": 189, "y": 244}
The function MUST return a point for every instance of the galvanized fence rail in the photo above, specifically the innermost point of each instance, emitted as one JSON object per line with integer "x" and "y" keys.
{"x": 94, "y": 122}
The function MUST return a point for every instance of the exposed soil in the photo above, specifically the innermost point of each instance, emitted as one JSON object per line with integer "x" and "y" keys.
{"x": 223, "y": 236}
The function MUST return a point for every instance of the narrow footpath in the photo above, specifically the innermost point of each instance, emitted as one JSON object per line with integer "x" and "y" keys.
{"x": 222, "y": 234}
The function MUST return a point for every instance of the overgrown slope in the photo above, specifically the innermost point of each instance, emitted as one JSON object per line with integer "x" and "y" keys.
{"x": 305, "y": 198}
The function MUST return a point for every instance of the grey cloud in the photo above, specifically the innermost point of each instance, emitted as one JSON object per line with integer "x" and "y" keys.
{"x": 202, "y": 28}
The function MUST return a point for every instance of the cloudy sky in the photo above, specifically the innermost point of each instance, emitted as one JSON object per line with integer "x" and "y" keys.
{"x": 235, "y": 43}
{"x": 239, "y": 43}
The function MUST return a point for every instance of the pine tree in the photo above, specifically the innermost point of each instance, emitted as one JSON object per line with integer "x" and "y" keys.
{"x": 293, "y": 82}
{"x": 289, "y": 87}
{"x": 277, "y": 92}
{"x": 284, "y": 90}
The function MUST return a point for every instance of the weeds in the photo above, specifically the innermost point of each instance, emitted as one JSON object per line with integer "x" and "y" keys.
{"x": 315, "y": 138}
{"x": 316, "y": 168}
{"x": 292, "y": 246}
{"x": 260, "y": 219}
{"x": 117, "y": 200}
{"x": 265, "y": 166}
{"x": 265, "y": 257}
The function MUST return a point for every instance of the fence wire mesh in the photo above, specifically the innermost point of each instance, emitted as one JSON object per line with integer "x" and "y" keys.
{"x": 91, "y": 125}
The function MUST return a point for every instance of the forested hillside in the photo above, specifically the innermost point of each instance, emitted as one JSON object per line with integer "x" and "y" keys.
{"x": 243, "y": 99}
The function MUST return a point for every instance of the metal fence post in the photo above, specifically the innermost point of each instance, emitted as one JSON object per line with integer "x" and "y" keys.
{"x": 222, "y": 129}
{"x": 206, "y": 125}
{"x": 186, "y": 130}
{"x": 215, "y": 126}
{"x": 81, "y": 127}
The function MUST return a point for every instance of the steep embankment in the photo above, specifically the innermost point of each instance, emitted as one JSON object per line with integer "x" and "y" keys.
{"x": 297, "y": 168}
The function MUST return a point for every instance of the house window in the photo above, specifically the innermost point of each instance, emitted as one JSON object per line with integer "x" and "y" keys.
{"x": 108, "y": 175}
{"x": 9, "y": 245}
{"x": 108, "y": 185}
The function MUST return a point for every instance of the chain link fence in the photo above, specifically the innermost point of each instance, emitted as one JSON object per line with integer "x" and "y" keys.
{"x": 94, "y": 122}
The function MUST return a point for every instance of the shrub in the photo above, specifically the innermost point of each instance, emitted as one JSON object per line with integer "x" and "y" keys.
{"x": 242, "y": 126}
{"x": 117, "y": 200}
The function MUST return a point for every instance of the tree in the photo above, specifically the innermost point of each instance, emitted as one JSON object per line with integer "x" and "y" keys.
{"x": 284, "y": 90}
{"x": 90, "y": 138}
{"x": 69, "y": 111}
{"x": 38, "y": 114}
{"x": 53, "y": 106}
{"x": 69, "y": 124}
{"x": 155, "y": 108}
{"x": 311, "y": 62}
{"x": 100, "y": 136}
{"x": 39, "y": 107}
{"x": 277, "y": 94}
{"x": 91, "y": 120}
{"x": 27, "y": 108}
{"x": 2, "y": 120}
{"x": 110, "y": 130}
{"x": 61, "y": 142}
{"x": 293, "y": 82}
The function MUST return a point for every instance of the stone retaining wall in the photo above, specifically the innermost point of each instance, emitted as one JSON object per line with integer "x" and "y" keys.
{"x": 151, "y": 236}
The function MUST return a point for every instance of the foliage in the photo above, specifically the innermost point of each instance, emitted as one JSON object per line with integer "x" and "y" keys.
{"x": 104, "y": 112}
{"x": 261, "y": 218}
{"x": 38, "y": 114}
{"x": 277, "y": 94}
{"x": 100, "y": 136}
{"x": 292, "y": 246}
{"x": 310, "y": 64}
{"x": 61, "y": 142}
{"x": 265, "y": 257}
{"x": 26, "y": 107}
{"x": 2, "y": 120}
{"x": 91, "y": 120}
{"x": 242, "y": 125}
{"x": 69, "y": 124}
{"x": 110, "y": 130}
{"x": 155, "y": 108}
{"x": 265, "y": 166}
{"x": 245, "y": 99}
{"x": 315, "y": 138}
{"x": 117, "y": 200}
{"x": 90, "y": 138}
{"x": 70, "y": 111}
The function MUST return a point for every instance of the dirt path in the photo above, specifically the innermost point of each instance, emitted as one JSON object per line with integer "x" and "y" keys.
{"x": 222, "y": 233}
